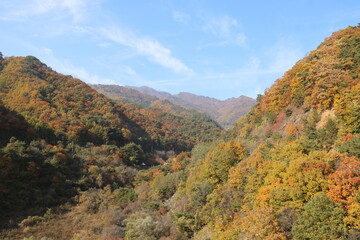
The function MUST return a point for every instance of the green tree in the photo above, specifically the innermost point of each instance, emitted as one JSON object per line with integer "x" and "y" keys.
{"x": 327, "y": 135}
{"x": 132, "y": 154}
{"x": 351, "y": 146}
{"x": 322, "y": 219}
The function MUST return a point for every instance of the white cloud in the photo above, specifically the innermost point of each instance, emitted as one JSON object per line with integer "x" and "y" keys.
{"x": 180, "y": 17}
{"x": 83, "y": 74}
{"x": 148, "y": 47}
{"x": 65, "y": 67}
{"x": 18, "y": 10}
{"x": 76, "y": 7}
{"x": 225, "y": 28}
{"x": 221, "y": 26}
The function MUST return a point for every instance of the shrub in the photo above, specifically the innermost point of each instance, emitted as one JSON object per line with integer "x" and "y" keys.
{"x": 288, "y": 112}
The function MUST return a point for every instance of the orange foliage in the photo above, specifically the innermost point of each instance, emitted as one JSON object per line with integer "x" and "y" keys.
{"x": 345, "y": 181}
{"x": 347, "y": 137}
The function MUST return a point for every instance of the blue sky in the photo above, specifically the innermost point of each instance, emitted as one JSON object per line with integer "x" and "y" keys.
{"x": 220, "y": 49}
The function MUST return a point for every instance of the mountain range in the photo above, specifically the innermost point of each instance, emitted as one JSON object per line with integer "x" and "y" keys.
{"x": 225, "y": 112}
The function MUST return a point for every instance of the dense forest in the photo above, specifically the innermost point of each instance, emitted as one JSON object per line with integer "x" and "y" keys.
{"x": 77, "y": 165}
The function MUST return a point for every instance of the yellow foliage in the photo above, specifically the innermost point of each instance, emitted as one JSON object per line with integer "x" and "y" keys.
{"x": 221, "y": 159}
{"x": 353, "y": 217}
{"x": 257, "y": 224}
{"x": 291, "y": 130}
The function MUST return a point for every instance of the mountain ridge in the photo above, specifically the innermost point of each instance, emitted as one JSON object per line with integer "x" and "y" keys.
{"x": 225, "y": 112}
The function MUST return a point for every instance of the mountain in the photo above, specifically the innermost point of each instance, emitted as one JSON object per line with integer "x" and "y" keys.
{"x": 177, "y": 122}
{"x": 289, "y": 169}
{"x": 151, "y": 91}
{"x": 60, "y": 136}
{"x": 125, "y": 94}
{"x": 224, "y": 112}
{"x": 233, "y": 108}
{"x": 61, "y": 107}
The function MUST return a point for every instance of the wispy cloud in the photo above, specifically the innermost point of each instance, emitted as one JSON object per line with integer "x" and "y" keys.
{"x": 19, "y": 10}
{"x": 225, "y": 28}
{"x": 104, "y": 44}
{"x": 127, "y": 70}
{"x": 83, "y": 74}
{"x": 180, "y": 17}
{"x": 146, "y": 46}
{"x": 65, "y": 67}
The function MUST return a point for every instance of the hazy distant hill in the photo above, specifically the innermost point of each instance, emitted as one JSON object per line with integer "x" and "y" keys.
{"x": 125, "y": 94}
{"x": 151, "y": 91}
{"x": 226, "y": 112}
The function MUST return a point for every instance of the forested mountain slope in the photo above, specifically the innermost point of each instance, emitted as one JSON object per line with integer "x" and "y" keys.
{"x": 289, "y": 169}
{"x": 299, "y": 176}
{"x": 58, "y": 136}
{"x": 61, "y": 107}
{"x": 175, "y": 122}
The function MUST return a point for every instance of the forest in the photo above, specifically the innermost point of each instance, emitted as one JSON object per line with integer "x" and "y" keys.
{"x": 75, "y": 164}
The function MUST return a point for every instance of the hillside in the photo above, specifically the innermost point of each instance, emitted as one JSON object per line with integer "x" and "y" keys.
{"x": 226, "y": 112}
{"x": 289, "y": 169}
{"x": 187, "y": 122}
{"x": 61, "y": 107}
{"x": 59, "y": 136}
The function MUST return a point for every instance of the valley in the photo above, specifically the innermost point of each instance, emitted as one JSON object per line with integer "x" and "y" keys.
{"x": 134, "y": 163}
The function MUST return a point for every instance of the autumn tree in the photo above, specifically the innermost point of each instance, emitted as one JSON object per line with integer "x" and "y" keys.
{"x": 353, "y": 217}
{"x": 221, "y": 159}
{"x": 291, "y": 130}
{"x": 345, "y": 181}
{"x": 257, "y": 224}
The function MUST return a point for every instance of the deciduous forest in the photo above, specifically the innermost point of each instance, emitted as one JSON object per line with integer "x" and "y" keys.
{"x": 76, "y": 164}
